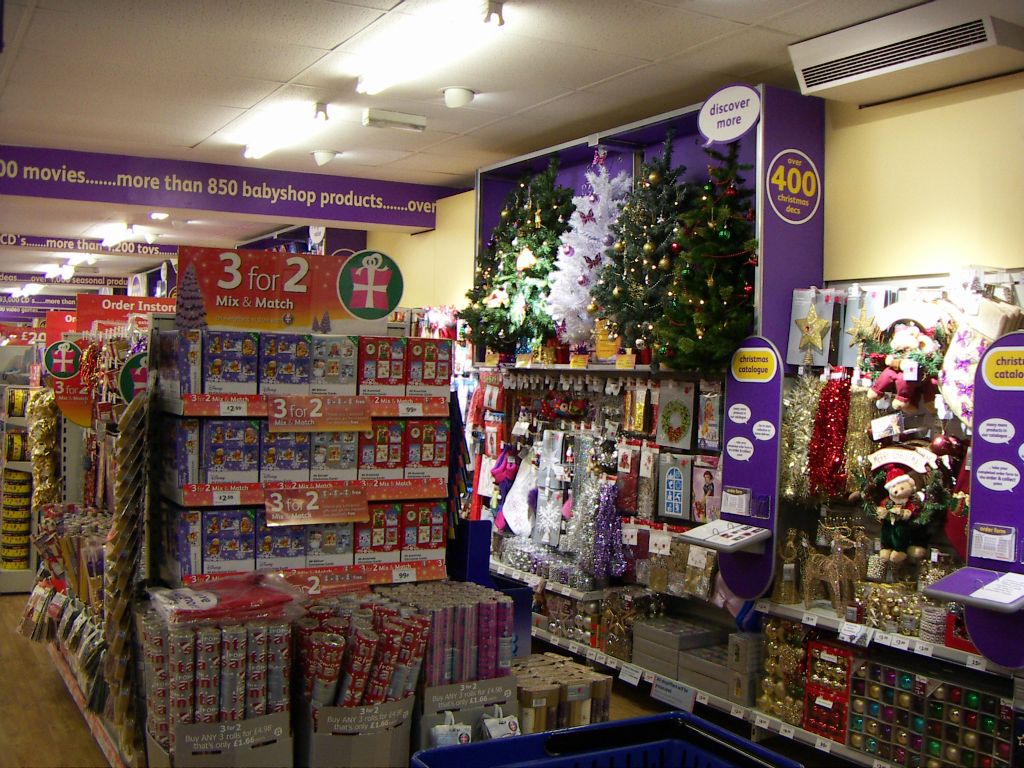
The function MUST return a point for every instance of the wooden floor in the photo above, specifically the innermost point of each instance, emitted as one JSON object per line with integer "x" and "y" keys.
{"x": 40, "y": 726}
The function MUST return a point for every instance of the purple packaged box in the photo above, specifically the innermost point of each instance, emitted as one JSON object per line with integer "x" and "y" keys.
{"x": 229, "y": 540}
{"x": 285, "y": 363}
{"x": 335, "y": 456}
{"x": 181, "y": 354}
{"x": 284, "y": 456}
{"x": 329, "y": 544}
{"x": 187, "y": 545}
{"x": 334, "y": 365}
{"x": 279, "y": 546}
{"x": 184, "y": 466}
{"x": 230, "y": 362}
{"x": 231, "y": 450}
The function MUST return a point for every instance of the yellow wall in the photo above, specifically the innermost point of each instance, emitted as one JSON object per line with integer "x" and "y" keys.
{"x": 925, "y": 185}
{"x": 437, "y": 266}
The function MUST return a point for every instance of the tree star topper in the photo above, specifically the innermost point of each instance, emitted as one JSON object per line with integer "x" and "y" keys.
{"x": 812, "y": 329}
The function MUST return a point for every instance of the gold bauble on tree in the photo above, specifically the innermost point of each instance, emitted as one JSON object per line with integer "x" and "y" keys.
{"x": 711, "y": 282}
{"x": 649, "y": 247}
{"x": 504, "y": 213}
{"x": 665, "y": 264}
{"x": 616, "y": 291}
{"x": 654, "y": 177}
{"x": 592, "y": 307}
{"x": 619, "y": 246}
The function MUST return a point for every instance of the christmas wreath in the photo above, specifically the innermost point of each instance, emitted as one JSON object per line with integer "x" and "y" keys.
{"x": 672, "y": 411}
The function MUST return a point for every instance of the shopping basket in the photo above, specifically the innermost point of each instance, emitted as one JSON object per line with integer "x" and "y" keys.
{"x": 670, "y": 740}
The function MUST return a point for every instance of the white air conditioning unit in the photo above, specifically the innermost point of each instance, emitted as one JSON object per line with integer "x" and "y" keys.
{"x": 382, "y": 118}
{"x": 932, "y": 46}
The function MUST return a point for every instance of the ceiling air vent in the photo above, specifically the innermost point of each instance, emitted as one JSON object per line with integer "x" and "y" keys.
{"x": 932, "y": 46}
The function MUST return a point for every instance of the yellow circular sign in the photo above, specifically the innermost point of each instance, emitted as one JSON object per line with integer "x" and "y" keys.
{"x": 754, "y": 364}
{"x": 1003, "y": 368}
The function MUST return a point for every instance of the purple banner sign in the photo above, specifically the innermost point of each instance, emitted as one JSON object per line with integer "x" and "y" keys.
{"x": 94, "y": 177}
{"x": 91, "y": 281}
{"x": 40, "y": 301}
{"x": 82, "y": 244}
{"x": 996, "y": 527}
{"x": 750, "y": 461}
{"x": 26, "y": 316}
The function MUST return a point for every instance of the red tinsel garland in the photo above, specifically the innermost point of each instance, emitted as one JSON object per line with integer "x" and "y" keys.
{"x": 825, "y": 461}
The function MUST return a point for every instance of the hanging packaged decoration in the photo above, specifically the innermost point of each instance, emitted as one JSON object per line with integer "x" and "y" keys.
{"x": 675, "y": 414}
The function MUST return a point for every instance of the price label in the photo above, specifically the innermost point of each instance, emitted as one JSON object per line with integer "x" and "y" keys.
{"x": 491, "y": 359}
{"x": 403, "y": 574}
{"x": 630, "y": 535}
{"x": 625, "y": 362}
{"x": 924, "y": 649}
{"x": 764, "y": 606}
{"x": 787, "y": 730}
{"x": 575, "y": 648}
{"x": 524, "y": 361}
{"x": 410, "y": 410}
{"x": 649, "y": 676}
{"x": 601, "y": 658}
{"x": 825, "y": 745}
{"x": 702, "y": 697}
{"x": 761, "y": 721}
{"x": 673, "y": 693}
{"x": 977, "y": 662}
{"x": 591, "y": 654}
{"x": 612, "y": 662}
{"x": 576, "y": 362}
{"x": 810, "y": 619}
{"x": 737, "y": 711}
{"x": 900, "y": 643}
{"x": 660, "y": 543}
{"x": 234, "y": 408}
{"x": 883, "y": 638}
{"x": 631, "y": 673}
{"x": 309, "y": 506}
{"x": 318, "y": 413}
{"x": 879, "y": 764}
{"x": 856, "y": 634}
{"x": 227, "y": 498}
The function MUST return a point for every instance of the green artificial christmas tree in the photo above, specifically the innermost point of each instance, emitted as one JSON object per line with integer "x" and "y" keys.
{"x": 508, "y": 301}
{"x": 709, "y": 307}
{"x": 647, "y": 241}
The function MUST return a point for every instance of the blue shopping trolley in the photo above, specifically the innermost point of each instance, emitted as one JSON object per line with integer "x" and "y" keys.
{"x": 670, "y": 740}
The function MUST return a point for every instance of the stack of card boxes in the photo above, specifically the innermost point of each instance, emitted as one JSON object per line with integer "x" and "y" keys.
{"x": 382, "y": 450}
{"x": 329, "y": 544}
{"x": 184, "y": 466}
{"x": 659, "y": 642}
{"x": 335, "y": 456}
{"x": 231, "y": 450}
{"x": 706, "y": 669}
{"x": 334, "y": 365}
{"x": 422, "y": 535}
{"x": 382, "y": 365}
{"x": 745, "y": 661}
{"x": 285, "y": 364}
{"x": 284, "y": 456}
{"x": 378, "y": 540}
{"x": 279, "y": 546}
{"x": 429, "y": 367}
{"x": 426, "y": 448}
{"x": 186, "y": 544}
{"x": 230, "y": 362}
{"x": 229, "y": 539}
{"x": 558, "y": 692}
{"x": 180, "y": 367}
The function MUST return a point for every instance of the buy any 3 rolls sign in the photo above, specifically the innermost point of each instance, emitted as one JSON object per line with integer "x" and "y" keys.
{"x": 284, "y": 291}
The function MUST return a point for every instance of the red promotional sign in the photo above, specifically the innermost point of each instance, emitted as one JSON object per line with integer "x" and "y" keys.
{"x": 264, "y": 290}
{"x": 95, "y": 311}
{"x": 57, "y": 324}
{"x": 308, "y": 506}
{"x": 318, "y": 413}
{"x": 21, "y": 335}
{"x": 336, "y": 580}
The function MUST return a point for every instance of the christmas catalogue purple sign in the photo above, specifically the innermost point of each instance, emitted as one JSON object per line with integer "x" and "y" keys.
{"x": 750, "y": 462}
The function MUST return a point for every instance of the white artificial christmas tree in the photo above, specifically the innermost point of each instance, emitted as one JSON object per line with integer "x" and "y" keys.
{"x": 582, "y": 252}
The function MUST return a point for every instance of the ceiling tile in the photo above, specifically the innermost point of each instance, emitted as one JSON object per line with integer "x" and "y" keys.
{"x": 823, "y": 16}
{"x": 740, "y": 53}
{"x": 741, "y": 11}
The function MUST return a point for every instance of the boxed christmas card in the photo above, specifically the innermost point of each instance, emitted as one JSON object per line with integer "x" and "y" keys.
{"x": 186, "y": 542}
{"x": 329, "y": 544}
{"x": 377, "y": 541}
{"x": 707, "y": 488}
{"x": 382, "y": 450}
{"x": 181, "y": 369}
{"x": 430, "y": 367}
{"x": 426, "y": 448}
{"x": 674, "y": 483}
{"x": 230, "y": 362}
{"x": 285, "y": 363}
{"x": 284, "y": 456}
{"x": 675, "y": 414}
{"x": 279, "y": 546}
{"x": 335, "y": 456}
{"x": 423, "y": 531}
{"x": 229, "y": 539}
{"x": 382, "y": 365}
{"x": 184, "y": 466}
{"x": 335, "y": 360}
{"x": 231, "y": 450}
{"x": 709, "y": 416}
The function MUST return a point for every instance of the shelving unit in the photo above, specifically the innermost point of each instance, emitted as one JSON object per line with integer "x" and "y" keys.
{"x": 634, "y": 675}
{"x": 533, "y": 580}
{"x": 20, "y": 580}
{"x": 254, "y": 494}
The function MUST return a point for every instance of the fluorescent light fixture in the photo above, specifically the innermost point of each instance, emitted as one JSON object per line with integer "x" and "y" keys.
{"x": 324, "y": 156}
{"x": 456, "y": 96}
{"x": 414, "y": 46}
{"x": 193, "y": 221}
{"x": 74, "y": 259}
{"x": 159, "y": 215}
{"x": 53, "y": 271}
{"x": 382, "y": 118}
{"x": 271, "y": 129}
{"x": 31, "y": 289}
{"x": 67, "y": 271}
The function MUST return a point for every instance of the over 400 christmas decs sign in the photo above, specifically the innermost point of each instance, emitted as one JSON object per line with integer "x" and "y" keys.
{"x": 265, "y": 290}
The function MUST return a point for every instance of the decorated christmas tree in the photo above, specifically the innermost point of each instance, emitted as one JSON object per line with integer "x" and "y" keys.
{"x": 583, "y": 250}
{"x": 325, "y": 322}
{"x": 646, "y": 242}
{"x": 709, "y": 306}
{"x": 191, "y": 311}
{"x": 508, "y": 302}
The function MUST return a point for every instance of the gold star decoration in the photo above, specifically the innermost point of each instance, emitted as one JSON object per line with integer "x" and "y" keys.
{"x": 812, "y": 330}
{"x": 861, "y": 327}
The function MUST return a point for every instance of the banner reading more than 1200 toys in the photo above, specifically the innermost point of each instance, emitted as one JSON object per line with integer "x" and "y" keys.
{"x": 264, "y": 290}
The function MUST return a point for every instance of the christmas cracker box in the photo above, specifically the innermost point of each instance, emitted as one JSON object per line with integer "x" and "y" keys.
{"x": 329, "y": 544}
{"x": 231, "y": 450}
{"x": 181, "y": 370}
{"x": 335, "y": 360}
{"x": 284, "y": 456}
{"x": 230, "y": 362}
{"x": 279, "y": 546}
{"x": 430, "y": 367}
{"x": 184, "y": 466}
{"x": 378, "y": 540}
{"x": 335, "y": 456}
{"x": 423, "y": 531}
{"x": 426, "y": 448}
{"x": 187, "y": 542}
{"x": 674, "y": 479}
{"x": 381, "y": 450}
{"x": 707, "y": 489}
{"x": 229, "y": 540}
{"x": 285, "y": 363}
{"x": 382, "y": 365}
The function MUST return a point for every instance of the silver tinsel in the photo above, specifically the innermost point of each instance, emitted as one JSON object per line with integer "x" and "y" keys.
{"x": 582, "y": 530}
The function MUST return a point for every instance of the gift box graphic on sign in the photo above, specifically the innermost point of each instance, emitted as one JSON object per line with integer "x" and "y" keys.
{"x": 370, "y": 283}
